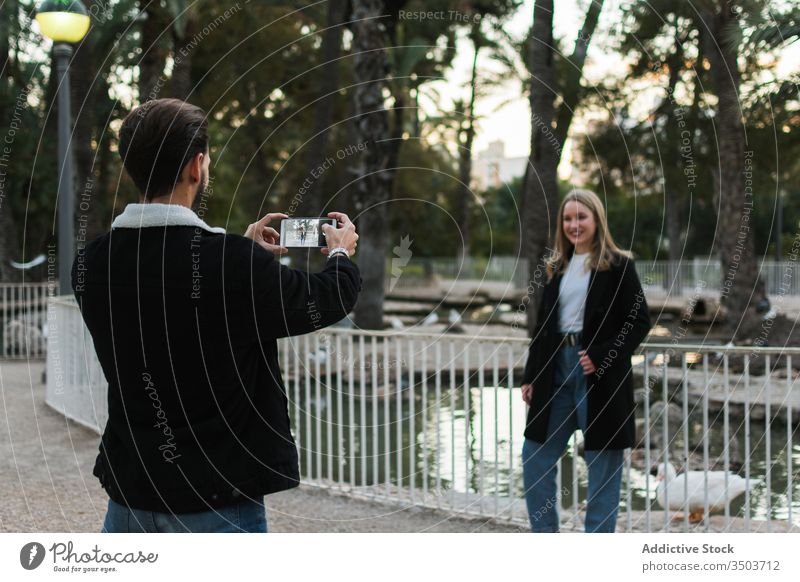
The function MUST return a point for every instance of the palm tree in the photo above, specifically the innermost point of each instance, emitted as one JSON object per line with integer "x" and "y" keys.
{"x": 154, "y": 51}
{"x": 183, "y": 29}
{"x": 8, "y": 239}
{"x": 466, "y": 138}
{"x": 374, "y": 176}
{"x": 652, "y": 22}
{"x": 549, "y": 127}
{"x": 328, "y": 77}
{"x": 744, "y": 294}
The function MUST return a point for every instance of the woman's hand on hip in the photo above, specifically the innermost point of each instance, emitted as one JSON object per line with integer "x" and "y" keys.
{"x": 527, "y": 392}
{"x": 588, "y": 365}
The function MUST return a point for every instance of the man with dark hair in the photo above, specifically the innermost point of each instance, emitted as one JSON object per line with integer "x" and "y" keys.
{"x": 158, "y": 139}
{"x": 185, "y": 319}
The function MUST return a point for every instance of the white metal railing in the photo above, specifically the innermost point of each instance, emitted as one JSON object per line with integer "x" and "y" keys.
{"x": 499, "y": 269}
{"x": 76, "y": 385}
{"x": 436, "y": 420}
{"x": 23, "y": 319}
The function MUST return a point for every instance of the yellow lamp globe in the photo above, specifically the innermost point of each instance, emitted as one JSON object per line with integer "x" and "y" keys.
{"x": 63, "y": 20}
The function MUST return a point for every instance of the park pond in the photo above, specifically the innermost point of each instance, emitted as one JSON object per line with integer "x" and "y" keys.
{"x": 447, "y": 441}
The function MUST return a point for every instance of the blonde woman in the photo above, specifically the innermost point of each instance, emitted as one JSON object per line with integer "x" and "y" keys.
{"x": 592, "y": 316}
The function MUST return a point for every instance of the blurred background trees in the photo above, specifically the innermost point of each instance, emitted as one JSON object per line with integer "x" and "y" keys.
{"x": 292, "y": 89}
{"x": 705, "y": 149}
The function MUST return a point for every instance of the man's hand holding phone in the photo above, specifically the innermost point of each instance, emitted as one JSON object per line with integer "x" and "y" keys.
{"x": 266, "y": 236}
{"x": 342, "y": 237}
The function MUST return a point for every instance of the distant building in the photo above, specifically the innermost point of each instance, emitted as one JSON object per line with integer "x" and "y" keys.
{"x": 492, "y": 168}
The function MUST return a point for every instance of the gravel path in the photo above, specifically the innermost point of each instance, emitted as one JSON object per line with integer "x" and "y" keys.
{"x": 47, "y": 483}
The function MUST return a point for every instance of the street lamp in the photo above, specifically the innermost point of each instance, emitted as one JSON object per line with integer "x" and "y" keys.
{"x": 779, "y": 229}
{"x": 64, "y": 22}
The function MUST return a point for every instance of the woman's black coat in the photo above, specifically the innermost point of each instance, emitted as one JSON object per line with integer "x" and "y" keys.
{"x": 616, "y": 321}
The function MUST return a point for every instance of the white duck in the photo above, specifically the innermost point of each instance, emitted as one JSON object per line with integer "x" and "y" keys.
{"x": 672, "y": 486}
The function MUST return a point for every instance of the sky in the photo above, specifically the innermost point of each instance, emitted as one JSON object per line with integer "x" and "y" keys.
{"x": 504, "y": 110}
{"x": 511, "y": 122}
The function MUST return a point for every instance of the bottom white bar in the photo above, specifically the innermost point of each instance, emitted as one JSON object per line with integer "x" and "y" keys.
{"x": 338, "y": 557}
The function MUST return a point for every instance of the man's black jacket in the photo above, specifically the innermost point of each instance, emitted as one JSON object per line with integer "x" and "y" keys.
{"x": 184, "y": 320}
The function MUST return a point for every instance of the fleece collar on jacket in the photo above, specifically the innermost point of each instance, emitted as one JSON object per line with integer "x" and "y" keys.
{"x": 144, "y": 215}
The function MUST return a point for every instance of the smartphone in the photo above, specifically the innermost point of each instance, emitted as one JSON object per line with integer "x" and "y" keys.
{"x": 304, "y": 232}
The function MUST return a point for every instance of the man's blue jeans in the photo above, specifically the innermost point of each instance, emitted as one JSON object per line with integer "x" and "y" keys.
{"x": 568, "y": 412}
{"x": 248, "y": 516}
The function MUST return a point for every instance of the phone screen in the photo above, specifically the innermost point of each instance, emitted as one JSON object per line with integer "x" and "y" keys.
{"x": 304, "y": 232}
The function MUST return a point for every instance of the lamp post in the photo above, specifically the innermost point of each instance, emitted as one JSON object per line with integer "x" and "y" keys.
{"x": 64, "y": 22}
{"x": 779, "y": 229}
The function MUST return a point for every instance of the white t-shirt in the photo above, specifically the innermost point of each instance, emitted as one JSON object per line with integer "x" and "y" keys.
{"x": 572, "y": 294}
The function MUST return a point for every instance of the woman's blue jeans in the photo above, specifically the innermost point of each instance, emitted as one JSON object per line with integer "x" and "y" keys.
{"x": 568, "y": 412}
{"x": 248, "y": 516}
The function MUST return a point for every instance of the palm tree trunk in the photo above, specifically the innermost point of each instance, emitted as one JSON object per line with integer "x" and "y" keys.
{"x": 549, "y": 129}
{"x": 328, "y": 78}
{"x": 540, "y": 202}
{"x": 8, "y": 238}
{"x": 465, "y": 160}
{"x": 674, "y": 180}
{"x": 742, "y": 287}
{"x": 375, "y": 178}
{"x": 151, "y": 65}
{"x": 181, "y": 85}
{"x": 572, "y": 84}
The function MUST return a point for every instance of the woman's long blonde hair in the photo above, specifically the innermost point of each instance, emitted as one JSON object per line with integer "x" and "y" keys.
{"x": 605, "y": 251}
